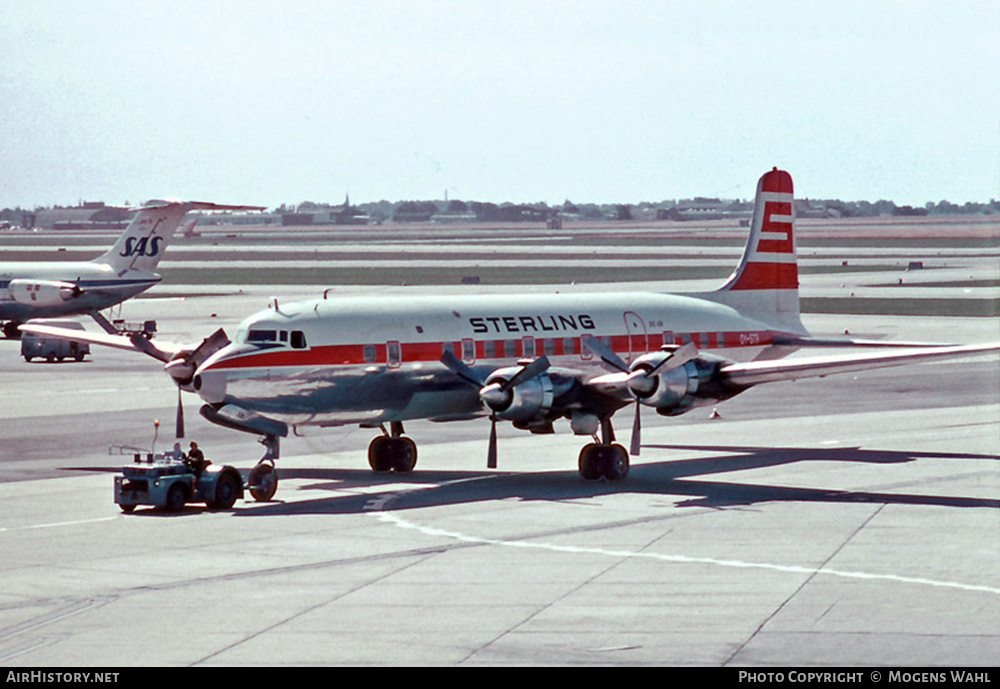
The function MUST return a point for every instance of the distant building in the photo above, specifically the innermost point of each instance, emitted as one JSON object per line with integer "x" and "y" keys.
{"x": 321, "y": 214}
{"x": 91, "y": 215}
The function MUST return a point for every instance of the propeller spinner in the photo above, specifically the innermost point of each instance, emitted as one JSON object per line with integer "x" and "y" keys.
{"x": 642, "y": 379}
{"x": 495, "y": 394}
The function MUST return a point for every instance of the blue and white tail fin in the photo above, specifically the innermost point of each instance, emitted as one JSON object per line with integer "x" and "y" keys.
{"x": 145, "y": 239}
{"x": 766, "y": 282}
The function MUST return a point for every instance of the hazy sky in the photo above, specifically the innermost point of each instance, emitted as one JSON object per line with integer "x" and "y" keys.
{"x": 509, "y": 100}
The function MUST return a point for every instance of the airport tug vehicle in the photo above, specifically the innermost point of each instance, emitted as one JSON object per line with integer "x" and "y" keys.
{"x": 171, "y": 480}
{"x": 166, "y": 482}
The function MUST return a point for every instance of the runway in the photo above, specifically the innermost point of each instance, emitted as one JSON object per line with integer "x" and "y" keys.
{"x": 847, "y": 521}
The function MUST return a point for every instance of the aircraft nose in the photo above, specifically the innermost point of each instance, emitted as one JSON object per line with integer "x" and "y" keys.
{"x": 210, "y": 385}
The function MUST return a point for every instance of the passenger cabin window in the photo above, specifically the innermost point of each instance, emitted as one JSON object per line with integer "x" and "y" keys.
{"x": 393, "y": 354}
{"x": 528, "y": 346}
{"x": 369, "y": 354}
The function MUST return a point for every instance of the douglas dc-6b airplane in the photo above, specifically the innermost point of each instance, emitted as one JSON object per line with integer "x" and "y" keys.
{"x": 44, "y": 289}
{"x": 528, "y": 359}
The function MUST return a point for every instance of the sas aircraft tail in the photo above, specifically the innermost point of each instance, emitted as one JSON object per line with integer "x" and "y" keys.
{"x": 145, "y": 239}
{"x": 766, "y": 282}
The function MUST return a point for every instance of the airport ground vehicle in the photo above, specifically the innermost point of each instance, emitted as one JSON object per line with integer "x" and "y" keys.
{"x": 53, "y": 348}
{"x": 163, "y": 481}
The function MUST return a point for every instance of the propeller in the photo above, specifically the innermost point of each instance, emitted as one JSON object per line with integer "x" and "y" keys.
{"x": 180, "y": 417}
{"x": 494, "y": 395}
{"x": 182, "y": 368}
{"x": 640, "y": 380}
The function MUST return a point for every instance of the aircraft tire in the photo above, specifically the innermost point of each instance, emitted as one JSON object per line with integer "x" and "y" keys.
{"x": 616, "y": 464}
{"x": 610, "y": 462}
{"x": 263, "y": 481}
{"x": 589, "y": 467}
{"x": 378, "y": 454}
{"x": 404, "y": 454}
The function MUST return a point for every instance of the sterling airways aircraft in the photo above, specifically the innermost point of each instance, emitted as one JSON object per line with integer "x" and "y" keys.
{"x": 43, "y": 289}
{"x": 529, "y": 359}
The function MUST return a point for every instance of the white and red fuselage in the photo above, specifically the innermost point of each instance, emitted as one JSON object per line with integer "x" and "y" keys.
{"x": 372, "y": 360}
{"x": 345, "y": 361}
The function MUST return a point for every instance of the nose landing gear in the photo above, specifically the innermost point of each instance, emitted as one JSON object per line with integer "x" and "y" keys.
{"x": 263, "y": 479}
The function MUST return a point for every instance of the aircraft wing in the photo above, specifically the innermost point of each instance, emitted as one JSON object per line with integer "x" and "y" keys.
{"x": 135, "y": 343}
{"x": 756, "y": 372}
{"x": 811, "y": 341}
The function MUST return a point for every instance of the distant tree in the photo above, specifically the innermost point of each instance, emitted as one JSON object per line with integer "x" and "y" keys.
{"x": 909, "y": 210}
{"x": 944, "y": 207}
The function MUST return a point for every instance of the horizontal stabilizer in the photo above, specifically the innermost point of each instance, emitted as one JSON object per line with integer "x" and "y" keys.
{"x": 200, "y": 206}
{"x": 756, "y": 372}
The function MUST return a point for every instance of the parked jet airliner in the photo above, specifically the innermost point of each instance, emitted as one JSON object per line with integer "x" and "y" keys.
{"x": 529, "y": 359}
{"x": 44, "y": 289}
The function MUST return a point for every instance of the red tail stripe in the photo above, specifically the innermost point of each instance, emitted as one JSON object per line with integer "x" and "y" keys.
{"x": 768, "y": 276}
{"x": 776, "y": 181}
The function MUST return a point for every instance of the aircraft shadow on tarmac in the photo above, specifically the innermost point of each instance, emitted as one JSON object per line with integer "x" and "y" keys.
{"x": 430, "y": 488}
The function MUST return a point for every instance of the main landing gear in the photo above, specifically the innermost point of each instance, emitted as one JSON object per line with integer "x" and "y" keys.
{"x": 392, "y": 451}
{"x": 605, "y": 458}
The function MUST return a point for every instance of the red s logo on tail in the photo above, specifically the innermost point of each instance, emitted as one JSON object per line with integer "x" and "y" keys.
{"x": 784, "y": 245}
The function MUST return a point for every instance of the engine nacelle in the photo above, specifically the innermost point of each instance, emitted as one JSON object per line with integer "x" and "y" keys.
{"x": 43, "y": 292}
{"x": 675, "y": 390}
{"x": 527, "y": 401}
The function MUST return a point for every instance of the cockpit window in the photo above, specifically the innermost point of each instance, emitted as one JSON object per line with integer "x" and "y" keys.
{"x": 296, "y": 339}
{"x": 262, "y": 336}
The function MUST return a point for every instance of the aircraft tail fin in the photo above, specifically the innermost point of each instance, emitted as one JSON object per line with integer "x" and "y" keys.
{"x": 145, "y": 239}
{"x": 766, "y": 281}
{"x": 141, "y": 245}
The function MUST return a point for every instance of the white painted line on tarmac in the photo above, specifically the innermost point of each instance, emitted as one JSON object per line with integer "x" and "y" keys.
{"x": 53, "y": 525}
{"x": 396, "y": 520}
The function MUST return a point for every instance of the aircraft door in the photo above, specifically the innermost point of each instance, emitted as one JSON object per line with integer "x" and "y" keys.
{"x": 638, "y": 338}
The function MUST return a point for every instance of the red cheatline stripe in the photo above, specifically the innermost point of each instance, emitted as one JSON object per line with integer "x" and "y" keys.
{"x": 354, "y": 354}
{"x": 757, "y": 275}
